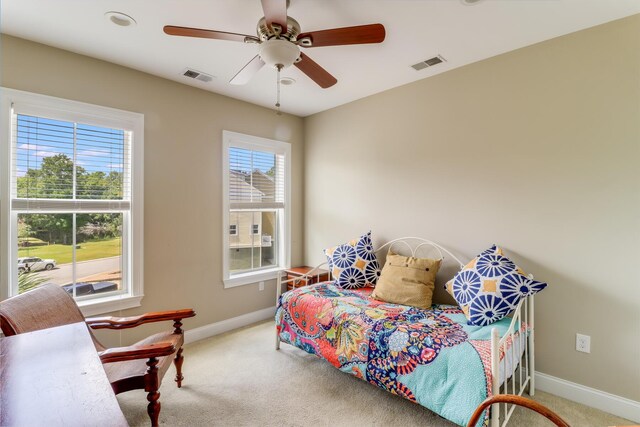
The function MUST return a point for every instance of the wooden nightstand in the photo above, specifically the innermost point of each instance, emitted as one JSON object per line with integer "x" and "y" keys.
{"x": 296, "y": 272}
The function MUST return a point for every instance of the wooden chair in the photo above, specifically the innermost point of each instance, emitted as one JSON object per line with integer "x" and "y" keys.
{"x": 139, "y": 366}
{"x": 520, "y": 401}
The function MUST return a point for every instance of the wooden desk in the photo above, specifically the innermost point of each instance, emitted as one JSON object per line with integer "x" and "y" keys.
{"x": 54, "y": 377}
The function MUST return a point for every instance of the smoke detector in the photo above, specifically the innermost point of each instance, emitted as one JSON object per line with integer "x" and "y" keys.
{"x": 198, "y": 75}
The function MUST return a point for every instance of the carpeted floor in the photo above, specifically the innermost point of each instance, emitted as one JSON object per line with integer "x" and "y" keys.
{"x": 238, "y": 379}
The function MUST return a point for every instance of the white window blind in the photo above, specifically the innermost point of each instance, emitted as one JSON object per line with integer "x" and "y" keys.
{"x": 256, "y": 179}
{"x": 59, "y": 164}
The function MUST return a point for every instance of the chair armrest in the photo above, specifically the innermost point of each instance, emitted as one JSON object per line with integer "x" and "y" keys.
{"x": 520, "y": 401}
{"x": 121, "y": 354}
{"x": 110, "y": 322}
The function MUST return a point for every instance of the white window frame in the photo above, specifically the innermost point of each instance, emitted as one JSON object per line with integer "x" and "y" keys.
{"x": 233, "y": 231}
{"x": 255, "y": 229}
{"x": 133, "y": 242}
{"x": 249, "y": 142}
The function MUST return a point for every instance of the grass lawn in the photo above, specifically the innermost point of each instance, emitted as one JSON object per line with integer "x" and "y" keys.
{"x": 63, "y": 253}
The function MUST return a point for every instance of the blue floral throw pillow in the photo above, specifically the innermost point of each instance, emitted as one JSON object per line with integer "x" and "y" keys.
{"x": 490, "y": 287}
{"x": 354, "y": 264}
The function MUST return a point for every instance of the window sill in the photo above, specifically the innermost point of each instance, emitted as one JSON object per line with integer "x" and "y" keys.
{"x": 253, "y": 277}
{"x": 109, "y": 304}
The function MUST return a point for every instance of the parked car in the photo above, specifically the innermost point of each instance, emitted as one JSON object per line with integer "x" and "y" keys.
{"x": 35, "y": 264}
{"x": 83, "y": 288}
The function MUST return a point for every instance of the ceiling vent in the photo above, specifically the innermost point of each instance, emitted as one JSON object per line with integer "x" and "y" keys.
{"x": 428, "y": 63}
{"x": 193, "y": 74}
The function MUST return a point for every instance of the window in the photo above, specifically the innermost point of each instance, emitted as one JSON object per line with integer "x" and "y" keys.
{"x": 233, "y": 230}
{"x": 69, "y": 200}
{"x": 256, "y": 174}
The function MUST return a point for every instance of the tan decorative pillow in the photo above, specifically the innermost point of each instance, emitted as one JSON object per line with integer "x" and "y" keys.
{"x": 407, "y": 280}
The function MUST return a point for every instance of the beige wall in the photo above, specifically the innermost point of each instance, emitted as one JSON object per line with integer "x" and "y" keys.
{"x": 537, "y": 150}
{"x": 183, "y": 179}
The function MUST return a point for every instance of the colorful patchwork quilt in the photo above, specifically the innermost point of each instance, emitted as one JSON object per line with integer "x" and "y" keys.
{"x": 431, "y": 357}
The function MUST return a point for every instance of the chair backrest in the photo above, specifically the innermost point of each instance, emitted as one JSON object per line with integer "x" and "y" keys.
{"x": 44, "y": 307}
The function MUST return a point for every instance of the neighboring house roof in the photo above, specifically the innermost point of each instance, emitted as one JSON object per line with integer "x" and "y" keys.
{"x": 240, "y": 190}
{"x": 264, "y": 183}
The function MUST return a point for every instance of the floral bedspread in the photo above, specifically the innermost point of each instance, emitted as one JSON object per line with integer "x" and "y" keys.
{"x": 431, "y": 357}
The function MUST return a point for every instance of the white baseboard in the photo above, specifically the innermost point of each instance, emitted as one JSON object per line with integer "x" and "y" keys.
{"x": 616, "y": 405}
{"x": 206, "y": 331}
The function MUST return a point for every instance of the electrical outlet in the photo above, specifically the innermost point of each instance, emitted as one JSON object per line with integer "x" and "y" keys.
{"x": 261, "y": 286}
{"x": 583, "y": 343}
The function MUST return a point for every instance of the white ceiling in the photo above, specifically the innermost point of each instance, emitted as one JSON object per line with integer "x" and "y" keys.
{"x": 416, "y": 30}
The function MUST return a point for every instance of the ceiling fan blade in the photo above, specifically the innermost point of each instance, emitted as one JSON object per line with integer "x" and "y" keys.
{"x": 207, "y": 34}
{"x": 275, "y": 12}
{"x": 362, "y": 34}
{"x": 248, "y": 71}
{"x": 315, "y": 71}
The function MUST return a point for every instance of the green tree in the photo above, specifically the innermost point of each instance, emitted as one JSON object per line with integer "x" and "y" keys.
{"x": 53, "y": 228}
{"x": 114, "y": 183}
{"x": 54, "y": 180}
{"x": 100, "y": 226}
{"x": 24, "y": 230}
{"x": 91, "y": 186}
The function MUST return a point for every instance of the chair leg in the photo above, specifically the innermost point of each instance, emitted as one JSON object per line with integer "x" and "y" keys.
{"x": 178, "y": 362}
{"x": 153, "y": 408}
{"x": 152, "y": 385}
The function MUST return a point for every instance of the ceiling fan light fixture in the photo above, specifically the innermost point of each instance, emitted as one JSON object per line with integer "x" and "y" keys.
{"x": 279, "y": 53}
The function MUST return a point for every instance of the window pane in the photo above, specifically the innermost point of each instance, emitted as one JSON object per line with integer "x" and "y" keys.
{"x": 241, "y": 242}
{"x": 98, "y": 253}
{"x": 251, "y": 176}
{"x": 253, "y": 247}
{"x": 48, "y": 237}
{"x": 44, "y": 158}
{"x": 268, "y": 230}
{"x": 45, "y": 153}
{"x": 100, "y": 159}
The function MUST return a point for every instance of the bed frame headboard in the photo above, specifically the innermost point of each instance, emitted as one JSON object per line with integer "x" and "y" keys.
{"x": 416, "y": 247}
{"x": 419, "y": 247}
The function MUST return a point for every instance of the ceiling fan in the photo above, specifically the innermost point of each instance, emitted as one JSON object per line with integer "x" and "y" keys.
{"x": 279, "y": 38}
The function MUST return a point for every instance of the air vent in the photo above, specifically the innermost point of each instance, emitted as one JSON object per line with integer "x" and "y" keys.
{"x": 198, "y": 75}
{"x": 428, "y": 63}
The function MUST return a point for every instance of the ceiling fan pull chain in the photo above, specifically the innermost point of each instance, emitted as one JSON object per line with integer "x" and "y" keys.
{"x": 278, "y": 67}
